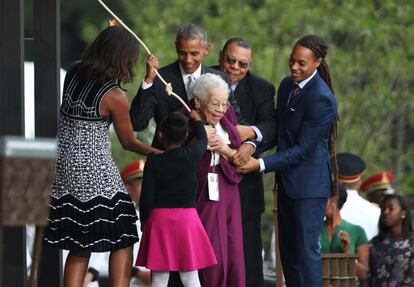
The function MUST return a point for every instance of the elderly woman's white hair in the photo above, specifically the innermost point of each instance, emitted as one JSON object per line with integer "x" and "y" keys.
{"x": 207, "y": 82}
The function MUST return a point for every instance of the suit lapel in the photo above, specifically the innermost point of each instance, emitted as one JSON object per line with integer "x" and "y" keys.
{"x": 303, "y": 92}
{"x": 177, "y": 82}
{"x": 242, "y": 91}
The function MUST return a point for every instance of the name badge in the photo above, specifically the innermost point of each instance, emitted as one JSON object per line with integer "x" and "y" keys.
{"x": 213, "y": 187}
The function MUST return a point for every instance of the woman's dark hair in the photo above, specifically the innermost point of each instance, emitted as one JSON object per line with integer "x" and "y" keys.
{"x": 174, "y": 128}
{"x": 320, "y": 49}
{"x": 342, "y": 196}
{"x": 111, "y": 56}
{"x": 407, "y": 227}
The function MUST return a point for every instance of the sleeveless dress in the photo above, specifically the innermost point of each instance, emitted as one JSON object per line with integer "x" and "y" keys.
{"x": 90, "y": 209}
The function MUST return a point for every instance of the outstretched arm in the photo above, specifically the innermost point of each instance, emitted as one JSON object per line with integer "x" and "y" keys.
{"x": 115, "y": 103}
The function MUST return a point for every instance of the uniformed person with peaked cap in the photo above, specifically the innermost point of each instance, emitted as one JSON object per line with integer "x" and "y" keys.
{"x": 356, "y": 210}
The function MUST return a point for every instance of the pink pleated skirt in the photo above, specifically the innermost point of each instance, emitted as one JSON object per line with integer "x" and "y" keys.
{"x": 174, "y": 239}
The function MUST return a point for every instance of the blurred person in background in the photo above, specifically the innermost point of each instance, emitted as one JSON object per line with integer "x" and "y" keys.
{"x": 356, "y": 210}
{"x": 391, "y": 259}
{"x": 377, "y": 186}
{"x": 340, "y": 236}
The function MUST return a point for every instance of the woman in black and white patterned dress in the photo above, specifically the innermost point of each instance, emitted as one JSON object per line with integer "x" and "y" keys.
{"x": 90, "y": 210}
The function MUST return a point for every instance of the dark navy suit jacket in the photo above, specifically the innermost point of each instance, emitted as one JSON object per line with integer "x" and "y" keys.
{"x": 303, "y": 128}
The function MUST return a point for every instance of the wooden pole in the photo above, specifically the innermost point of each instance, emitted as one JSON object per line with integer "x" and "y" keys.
{"x": 279, "y": 269}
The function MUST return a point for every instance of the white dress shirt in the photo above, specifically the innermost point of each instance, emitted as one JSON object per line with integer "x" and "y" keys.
{"x": 359, "y": 211}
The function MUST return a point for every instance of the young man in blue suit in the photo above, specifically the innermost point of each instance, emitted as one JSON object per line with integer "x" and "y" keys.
{"x": 306, "y": 129}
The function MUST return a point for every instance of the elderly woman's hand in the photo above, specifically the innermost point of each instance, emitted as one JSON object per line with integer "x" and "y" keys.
{"x": 224, "y": 149}
{"x": 212, "y": 137}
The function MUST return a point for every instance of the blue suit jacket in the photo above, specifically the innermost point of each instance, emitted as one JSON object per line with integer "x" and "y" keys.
{"x": 303, "y": 127}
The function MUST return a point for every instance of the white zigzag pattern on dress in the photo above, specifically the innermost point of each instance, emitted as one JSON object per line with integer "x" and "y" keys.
{"x": 79, "y": 103}
{"x": 90, "y": 244}
{"x": 93, "y": 222}
{"x": 90, "y": 209}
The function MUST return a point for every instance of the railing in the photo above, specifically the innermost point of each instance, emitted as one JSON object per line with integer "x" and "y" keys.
{"x": 339, "y": 270}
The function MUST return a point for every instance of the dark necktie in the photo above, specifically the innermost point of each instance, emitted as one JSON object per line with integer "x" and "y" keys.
{"x": 294, "y": 92}
{"x": 295, "y": 89}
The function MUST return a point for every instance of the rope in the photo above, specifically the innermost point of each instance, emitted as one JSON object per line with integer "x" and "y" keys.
{"x": 168, "y": 87}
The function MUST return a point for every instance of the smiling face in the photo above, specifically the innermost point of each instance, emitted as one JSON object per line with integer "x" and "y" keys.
{"x": 213, "y": 108}
{"x": 235, "y": 62}
{"x": 191, "y": 53}
{"x": 391, "y": 213}
{"x": 302, "y": 63}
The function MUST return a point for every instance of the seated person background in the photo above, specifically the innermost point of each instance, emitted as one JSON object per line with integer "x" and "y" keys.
{"x": 340, "y": 236}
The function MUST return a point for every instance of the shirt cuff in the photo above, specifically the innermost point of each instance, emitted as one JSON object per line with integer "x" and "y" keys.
{"x": 145, "y": 85}
{"x": 251, "y": 143}
{"x": 262, "y": 165}
{"x": 259, "y": 136}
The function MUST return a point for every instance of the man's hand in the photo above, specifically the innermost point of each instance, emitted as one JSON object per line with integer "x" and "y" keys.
{"x": 243, "y": 154}
{"x": 246, "y": 132}
{"x": 152, "y": 64}
{"x": 251, "y": 165}
{"x": 113, "y": 22}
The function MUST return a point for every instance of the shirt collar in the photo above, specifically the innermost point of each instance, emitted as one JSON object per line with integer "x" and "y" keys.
{"x": 302, "y": 84}
{"x": 196, "y": 74}
{"x": 234, "y": 86}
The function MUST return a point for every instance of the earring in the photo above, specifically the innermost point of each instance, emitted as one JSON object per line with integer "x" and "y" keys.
{"x": 197, "y": 106}
{"x": 403, "y": 216}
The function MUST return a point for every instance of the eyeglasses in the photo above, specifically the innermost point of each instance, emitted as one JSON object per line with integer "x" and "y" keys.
{"x": 217, "y": 105}
{"x": 232, "y": 61}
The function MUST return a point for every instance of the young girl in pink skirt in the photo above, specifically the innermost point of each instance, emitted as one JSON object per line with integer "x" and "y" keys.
{"x": 173, "y": 237}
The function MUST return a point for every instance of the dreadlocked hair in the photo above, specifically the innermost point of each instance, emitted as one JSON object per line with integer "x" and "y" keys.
{"x": 319, "y": 48}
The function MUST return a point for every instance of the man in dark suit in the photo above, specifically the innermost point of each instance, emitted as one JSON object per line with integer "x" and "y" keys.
{"x": 306, "y": 125}
{"x": 255, "y": 97}
{"x": 152, "y": 100}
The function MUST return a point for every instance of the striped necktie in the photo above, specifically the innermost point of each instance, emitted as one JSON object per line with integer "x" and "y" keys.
{"x": 294, "y": 92}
